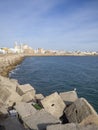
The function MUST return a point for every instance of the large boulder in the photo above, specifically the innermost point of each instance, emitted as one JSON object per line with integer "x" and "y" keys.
{"x": 54, "y": 105}
{"x": 69, "y": 97}
{"x": 40, "y": 120}
{"x": 79, "y": 110}
{"x": 24, "y": 109}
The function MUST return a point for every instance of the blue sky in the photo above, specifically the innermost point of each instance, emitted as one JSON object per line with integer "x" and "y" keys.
{"x": 51, "y": 24}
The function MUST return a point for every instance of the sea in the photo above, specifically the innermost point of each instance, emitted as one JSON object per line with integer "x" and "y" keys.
{"x": 49, "y": 74}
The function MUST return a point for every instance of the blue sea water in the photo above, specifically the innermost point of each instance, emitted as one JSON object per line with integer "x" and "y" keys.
{"x": 61, "y": 73}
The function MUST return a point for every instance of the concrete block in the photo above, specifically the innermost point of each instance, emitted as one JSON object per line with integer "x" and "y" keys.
{"x": 8, "y": 96}
{"x": 91, "y": 119}
{"x": 71, "y": 126}
{"x": 69, "y": 97}
{"x": 40, "y": 120}
{"x": 24, "y": 109}
{"x": 13, "y": 98}
{"x": 79, "y": 110}
{"x": 27, "y": 97}
{"x": 54, "y": 105}
{"x": 22, "y": 89}
{"x": 4, "y": 94}
{"x": 39, "y": 97}
{"x": 9, "y": 83}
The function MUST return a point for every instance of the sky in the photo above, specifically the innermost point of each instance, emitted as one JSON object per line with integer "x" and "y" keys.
{"x": 68, "y": 25}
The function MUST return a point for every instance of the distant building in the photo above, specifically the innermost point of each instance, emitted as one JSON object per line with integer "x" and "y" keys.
{"x": 27, "y": 49}
{"x": 41, "y": 51}
{"x": 2, "y": 51}
{"x": 18, "y": 48}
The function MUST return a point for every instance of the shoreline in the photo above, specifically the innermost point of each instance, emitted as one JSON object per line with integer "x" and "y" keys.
{"x": 63, "y": 110}
{"x": 9, "y": 62}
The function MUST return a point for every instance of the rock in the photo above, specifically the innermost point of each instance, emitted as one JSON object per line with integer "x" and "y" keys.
{"x": 13, "y": 98}
{"x": 28, "y": 97}
{"x": 79, "y": 110}
{"x": 23, "y": 89}
{"x": 9, "y": 83}
{"x": 40, "y": 120}
{"x": 4, "y": 94}
{"x": 8, "y": 96}
{"x": 54, "y": 105}
{"x": 91, "y": 119}
{"x": 71, "y": 126}
{"x": 24, "y": 109}
{"x": 69, "y": 97}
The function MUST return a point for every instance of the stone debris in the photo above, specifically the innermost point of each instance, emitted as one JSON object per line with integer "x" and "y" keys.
{"x": 69, "y": 97}
{"x": 40, "y": 120}
{"x": 79, "y": 110}
{"x": 54, "y": 105}
{"x": 24, "y": 109}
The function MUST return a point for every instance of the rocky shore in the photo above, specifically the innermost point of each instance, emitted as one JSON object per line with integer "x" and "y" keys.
{"x": 21, "y": 108}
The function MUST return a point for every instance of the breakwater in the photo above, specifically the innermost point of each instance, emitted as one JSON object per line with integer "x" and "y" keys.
{"x": 56, "y": 111}
{"x": 9, "y": 62}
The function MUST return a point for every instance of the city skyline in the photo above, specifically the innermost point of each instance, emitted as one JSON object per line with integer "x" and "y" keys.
{"x": 51, "y": 24}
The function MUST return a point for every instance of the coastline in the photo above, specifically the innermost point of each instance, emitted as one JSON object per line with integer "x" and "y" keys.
{"x": 64, "y": 110}
{"x": 8, "y": 62}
